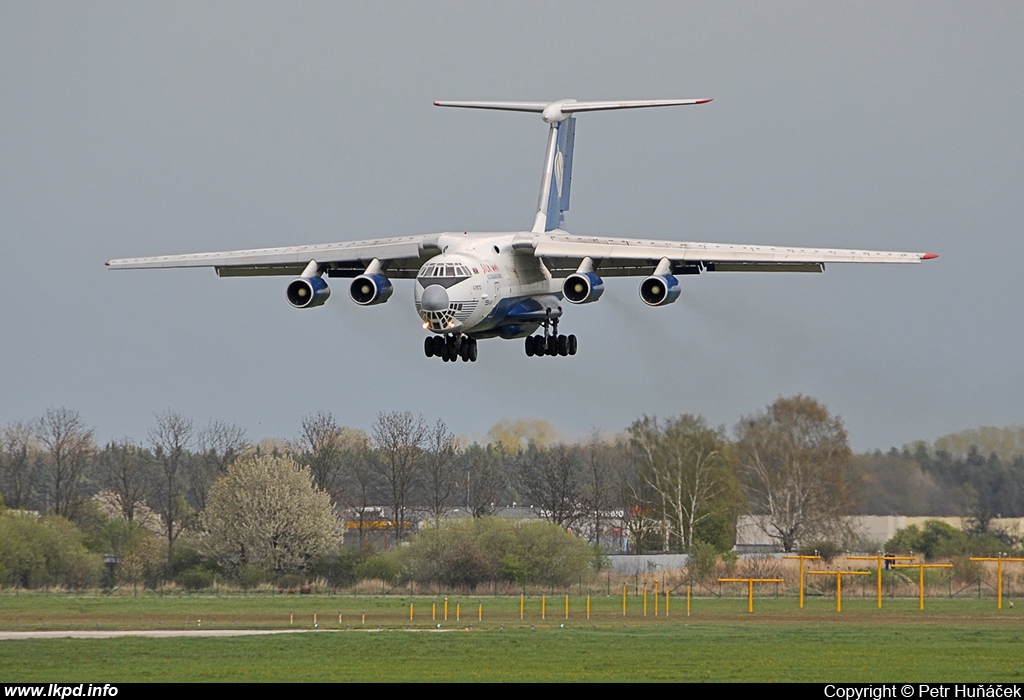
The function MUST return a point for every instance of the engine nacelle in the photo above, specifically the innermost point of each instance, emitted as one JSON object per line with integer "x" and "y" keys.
{"x": 367, "y": 290}
{"x": 582, "y": 288}
{"x": 307, "y": 292}
{"x": 658, "y": 290}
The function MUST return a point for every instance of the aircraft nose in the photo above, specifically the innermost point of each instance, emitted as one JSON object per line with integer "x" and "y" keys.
{"x": 435, "y": 298}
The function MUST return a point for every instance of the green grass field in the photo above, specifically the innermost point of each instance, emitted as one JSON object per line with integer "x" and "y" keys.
{"x": 951, "y": 640}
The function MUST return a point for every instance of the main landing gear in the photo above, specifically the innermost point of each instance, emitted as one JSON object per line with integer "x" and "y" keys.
{"x": 550, "y": 343}
{"x": 450, "y": 347}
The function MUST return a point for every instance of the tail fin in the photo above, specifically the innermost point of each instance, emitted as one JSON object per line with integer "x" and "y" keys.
{"x": 560, "y": 179}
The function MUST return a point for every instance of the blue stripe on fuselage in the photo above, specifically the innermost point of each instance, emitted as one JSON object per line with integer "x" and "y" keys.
{"x": 512, "y": 310}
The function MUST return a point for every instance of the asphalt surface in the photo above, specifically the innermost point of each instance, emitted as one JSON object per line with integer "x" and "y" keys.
{"x": 107, "y": 634}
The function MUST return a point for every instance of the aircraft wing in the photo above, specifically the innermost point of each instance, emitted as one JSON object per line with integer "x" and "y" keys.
{"x": 401, "y": 257}
{"x": 620, "y": 257}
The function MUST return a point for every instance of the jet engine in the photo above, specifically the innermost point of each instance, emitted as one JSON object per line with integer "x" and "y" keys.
{"x": 658, "y": 290}
{"x": 307, "y": 292}
{"x": 370, "y": 289}
{"x": 582, "y": 288}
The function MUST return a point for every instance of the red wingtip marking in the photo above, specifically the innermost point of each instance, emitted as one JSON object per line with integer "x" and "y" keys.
{"x": 107, "y": 263}
{"x": 700, "y": 102}
{"x": 929, "y": 256}
{"x": 437, "y": 104}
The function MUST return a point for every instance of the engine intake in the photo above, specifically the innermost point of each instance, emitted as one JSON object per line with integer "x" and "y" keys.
{"x": 367, "y": 290}
{"x": 582, "y": 288}
{"x": 307, "y": 292}
{"x": 658, "y": 290}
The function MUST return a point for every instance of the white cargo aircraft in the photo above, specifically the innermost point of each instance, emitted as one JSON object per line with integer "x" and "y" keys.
{"x": 470, "y": 286}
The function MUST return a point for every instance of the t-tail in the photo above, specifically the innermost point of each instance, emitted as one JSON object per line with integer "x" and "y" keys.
{"x": 556, "y": 177}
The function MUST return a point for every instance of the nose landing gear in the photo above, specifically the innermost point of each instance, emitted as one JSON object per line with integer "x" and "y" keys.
{"x": 551, "y": 343}
{"x": 450, "y": 347}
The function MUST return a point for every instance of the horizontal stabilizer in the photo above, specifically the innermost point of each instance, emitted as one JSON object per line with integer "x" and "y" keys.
{"x": 560, "y": 110}
{"x": 507, "y": 106}
{"x": 634, "y": 104}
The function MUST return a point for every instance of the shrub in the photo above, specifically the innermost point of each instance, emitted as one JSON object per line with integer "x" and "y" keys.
{"x": 826, "y": 549}
{"x": 196, "y": 578}
{"x": 466, "y": 554}
{"x": 50, "y": 551}
{"x": 937, "y": 539}
{"x": 385, "y": 566}
{"x": 703, "y": 560}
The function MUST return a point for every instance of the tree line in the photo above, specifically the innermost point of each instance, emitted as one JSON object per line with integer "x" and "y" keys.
{"x": 921, "y": 480}
{"x": 661, "y": 485}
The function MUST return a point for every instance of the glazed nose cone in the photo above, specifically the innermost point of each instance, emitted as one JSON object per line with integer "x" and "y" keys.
{"x": 435, "y": 298}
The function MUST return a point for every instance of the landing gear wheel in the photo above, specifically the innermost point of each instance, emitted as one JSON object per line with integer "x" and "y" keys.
{"x": 552, "y": 345}
{"x": 563, "y": 345}
{"x": 428, "y": 346}
{"x": 571, "y": 344}
{"x": 529, "y": 346}
{"x": 471, "y": 349}
{"x": 439, "y": 350}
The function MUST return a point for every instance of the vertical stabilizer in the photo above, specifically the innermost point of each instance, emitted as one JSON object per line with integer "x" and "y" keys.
{"x": 561, "y": 175}
{"x": 556, "y": 177}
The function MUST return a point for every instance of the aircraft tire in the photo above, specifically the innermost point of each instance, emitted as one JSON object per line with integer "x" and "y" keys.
{"x": 438, "y": 345}
{"x": 563, "y": 345}
{"x": 572, "y": 344}
{"x": 472, "y": 350}
{"x": 529, "y": 346}
{"x": 428, "y": 346}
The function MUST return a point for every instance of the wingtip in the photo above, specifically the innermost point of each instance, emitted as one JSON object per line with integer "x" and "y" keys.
{"x": 704, "y": 101}
{"x": 929, "y": 256}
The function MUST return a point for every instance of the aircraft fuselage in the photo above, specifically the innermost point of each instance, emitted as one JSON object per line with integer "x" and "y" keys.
{"x": 479, "y": 286}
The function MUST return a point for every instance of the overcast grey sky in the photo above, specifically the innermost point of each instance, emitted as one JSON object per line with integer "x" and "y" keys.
{"x": 147, "y": 128}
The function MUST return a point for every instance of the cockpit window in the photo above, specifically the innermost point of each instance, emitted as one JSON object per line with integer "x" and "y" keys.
{"x": 446, "y": 274}
{"x": 444, "y": 270}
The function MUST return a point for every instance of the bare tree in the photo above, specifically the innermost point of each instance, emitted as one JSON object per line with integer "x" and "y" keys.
{"x": 322, "y": 446}
{"x": 67, "y": 453}
{"x": 360, "y": 484}
{"x": 794, "y": 459}
{"x": 643, "y": 527}
{"x": 551, "y": 477}
{"x": 440, "y": 462}
{"x": 217, "y": 445}
{"x": 483, "y": 477}
{"x": 602, "y": 464}
{"x": 19, "y": 464}
{"x": 398, "y": 438}
{"x": 126, "y": 469}
{"x": 170, "y": 440}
